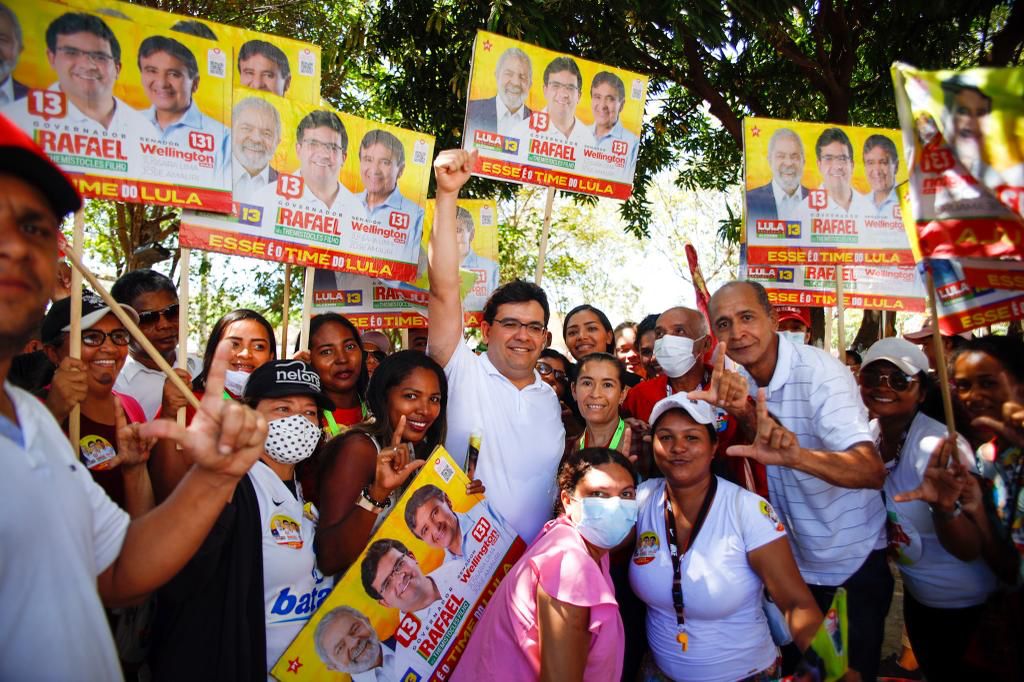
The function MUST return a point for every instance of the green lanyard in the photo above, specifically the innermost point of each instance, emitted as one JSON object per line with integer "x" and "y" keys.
{"x": 616, "y": 437}
{"x": 334, "y": 428}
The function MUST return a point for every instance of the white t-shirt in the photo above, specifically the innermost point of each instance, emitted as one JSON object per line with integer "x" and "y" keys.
{"x": 832, "y": 529}
{"x": 728, "y": 634}
{"x": 937, "y": 579}
{"x": 147, "y": 385}
{"x": 522, "y": 438}
{"x": 59, "y": 531}
{"x": 292, "y": 586}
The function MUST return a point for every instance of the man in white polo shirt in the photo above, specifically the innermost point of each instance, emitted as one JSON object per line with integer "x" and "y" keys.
{"x": 498, "y": 394}
{"x": 68, "y": 549}
{"x": 824, "y": 480}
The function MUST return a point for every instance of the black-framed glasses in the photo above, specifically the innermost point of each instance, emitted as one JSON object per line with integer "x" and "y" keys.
{"x": 896, "y": 380}
{"x": 153, "y": 316}
{"x": 95, "y": 337}
{"x": 544, "y": 369}
{"x": 99, "y": 58}
{"x": 385, "y": 587}
{"x": 512, "y": 325}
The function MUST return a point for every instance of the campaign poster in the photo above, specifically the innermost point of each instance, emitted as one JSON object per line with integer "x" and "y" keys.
{"x": 378, "y": 304}
{"x": 821, "y": 194}
{"x": 961, "y": 307}
{"x": 963, "y": 131}
{"x": 409, "y": 603}
{"x": 130, "y": 111}
{"x": 262, "y": 61}
{"x": 897, "y": 288}
{"x": 315, "y": 187}
{"x": 545, "y": 118}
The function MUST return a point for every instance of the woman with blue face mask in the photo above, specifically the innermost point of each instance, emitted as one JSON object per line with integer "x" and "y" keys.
{"x": 705, "y": 551}
{"x": 554, "y": 616}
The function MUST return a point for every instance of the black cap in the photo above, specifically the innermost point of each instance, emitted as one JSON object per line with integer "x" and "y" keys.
{"x": 94, "y": 309}
{"x": 23, "y": 158}
{"x": 284, "y": 378}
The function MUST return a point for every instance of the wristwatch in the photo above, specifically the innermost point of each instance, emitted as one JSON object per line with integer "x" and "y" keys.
{"x": 948, "y": 516}
{"x": 369, "y": 504}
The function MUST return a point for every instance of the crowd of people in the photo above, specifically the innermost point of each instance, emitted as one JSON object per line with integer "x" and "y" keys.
{"x": 693, "y": 489}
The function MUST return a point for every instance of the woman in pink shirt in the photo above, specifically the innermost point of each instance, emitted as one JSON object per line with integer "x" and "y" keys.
{"x": 554, "y": 616}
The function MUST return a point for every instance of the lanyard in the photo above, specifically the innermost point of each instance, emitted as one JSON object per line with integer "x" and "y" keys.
{"x": 334, "y": 428}
{"x": 673, "y": 543}
{"x": 616, "y": 437}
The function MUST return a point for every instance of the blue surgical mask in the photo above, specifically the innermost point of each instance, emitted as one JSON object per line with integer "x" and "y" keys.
{"x": 606, "y": 521}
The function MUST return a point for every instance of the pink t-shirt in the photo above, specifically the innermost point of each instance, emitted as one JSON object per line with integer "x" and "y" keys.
{"x": 505, "y": 645}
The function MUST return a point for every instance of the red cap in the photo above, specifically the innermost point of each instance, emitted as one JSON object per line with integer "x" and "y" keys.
{"x": 24, "y": 159}
{"x": 789, "y": 312}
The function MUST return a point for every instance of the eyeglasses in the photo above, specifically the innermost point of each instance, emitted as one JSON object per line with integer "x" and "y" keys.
{"x": 153, "y": 316}
{"x": 98, "y": 58}
{"x": 897, "y": 380}
{"x": 96, "y": 337}
{"x": 512, "y": 326}
{"x": 386, "y": 585}
{"x": 326, "y": 147}
{"x": 835, "y": 158}
{"x": 544, "y": 369}
{"x": 563, "y": 87}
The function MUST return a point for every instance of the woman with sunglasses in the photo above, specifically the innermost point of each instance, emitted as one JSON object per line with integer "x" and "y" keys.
{"x": 556, "y": 371}
{"x": 943, "y": 595}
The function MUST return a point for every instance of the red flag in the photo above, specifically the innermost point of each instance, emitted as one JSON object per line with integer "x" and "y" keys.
{"x": 700, "y": 292}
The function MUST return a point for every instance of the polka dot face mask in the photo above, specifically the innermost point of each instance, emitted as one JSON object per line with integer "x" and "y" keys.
{"x": 291, "y": 439}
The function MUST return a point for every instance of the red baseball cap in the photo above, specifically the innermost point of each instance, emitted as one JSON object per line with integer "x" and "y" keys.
{"x": 24, "y": 159}
{"x": 789, "y": 312}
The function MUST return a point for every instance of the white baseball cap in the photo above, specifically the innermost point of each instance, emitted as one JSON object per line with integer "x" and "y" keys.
{"x": 907, "y": 356}
{"x": 700, "y": 411}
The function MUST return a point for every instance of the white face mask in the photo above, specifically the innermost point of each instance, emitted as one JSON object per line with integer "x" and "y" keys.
{"x": 291, "y": 439}
{"x": 796, "y": 338}
{"x": 675, "y": 354}
{"x": 235, "y": 381}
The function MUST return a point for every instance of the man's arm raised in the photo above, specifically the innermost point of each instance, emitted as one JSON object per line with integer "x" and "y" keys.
{"x": 224, "y": 440}
{"x": 451, "y": 170}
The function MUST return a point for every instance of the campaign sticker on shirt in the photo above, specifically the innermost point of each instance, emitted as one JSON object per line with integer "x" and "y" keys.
{"x": 769, "y": 512}
{"x": 721, "y": 420}
{"x": 647, "y": 546}
{"x": 311, "y": 512}
{"x": 286, "y": 531}
{"x": 902, "y": 538}
{"x": 96, "y": 452}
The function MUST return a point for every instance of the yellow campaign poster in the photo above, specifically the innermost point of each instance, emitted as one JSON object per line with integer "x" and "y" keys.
{"x": 545, "y": 118}
{"x": 822, "y": 194}
{"x": 316, "y": 187}
{"x": 262, "y": 61}
{"x": 131, "y": 111}
{"x": 417, "y": 632}
{"x": 377, "y": 304}
{"x": 964, "y": 132}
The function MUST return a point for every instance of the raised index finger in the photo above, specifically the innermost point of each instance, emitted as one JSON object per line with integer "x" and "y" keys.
{"x": 215, "y": 377}
{"x": 396, "y": 437}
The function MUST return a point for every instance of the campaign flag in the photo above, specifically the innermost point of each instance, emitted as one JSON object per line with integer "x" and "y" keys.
{"x": 130, "y": 111}
{"x": 372, "y": 303}
{"x": 540, "y": 117}
{"x": 317, "y": 187}
{"x": 400, "y": 640}
{"x": 262, "y": 61}
{"x": 961, "y": 307}
{"x": 822, "y": 194}
{"x": 962, "y": 130}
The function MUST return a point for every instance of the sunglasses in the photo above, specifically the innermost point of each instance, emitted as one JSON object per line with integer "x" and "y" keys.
{"x": 544, "y": 369}
{"x": 95, "y": 337}
{"x": 896, "y": 380}
{"x": 153, "y": 316}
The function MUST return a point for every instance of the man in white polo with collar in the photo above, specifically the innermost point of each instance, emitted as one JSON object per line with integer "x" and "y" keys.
{"x": 825, "y": 476}
{"x": 497, "y": 394}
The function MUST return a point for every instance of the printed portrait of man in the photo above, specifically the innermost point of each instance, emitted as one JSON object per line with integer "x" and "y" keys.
{"x": 834, "y": 152}
{"x": 880, "y": 164}
{"x": 967, "y": 118}
{"x": 392, "y": 575}
{"x": 347, "y": 643}
{"x": 501, "y": 113}
{"x": 321, "y": 143}
{"x": 784, "y": 197}
{"x": 607, "y": 99}
{"x": 255, "y": 135}
{"x": 12, "y": 43}
{"x": 563, "y": 85}
{"x": 381, "y": 164}
{"x": 264, "y": 66}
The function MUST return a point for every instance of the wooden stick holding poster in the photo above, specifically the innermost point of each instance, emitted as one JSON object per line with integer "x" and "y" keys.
{"x": 285, "y": 302}
{"x": 940, "y": 356}
{"x": 841, "y": 313}
{"x": 542, "y": 253}
{"x": 132, "y": 328}
{"x": 307, "y": 308}
{"x": 183, "y": 319}
{"x": 75, "y": 254}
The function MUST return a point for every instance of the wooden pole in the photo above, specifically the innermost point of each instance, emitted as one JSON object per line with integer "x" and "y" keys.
{"x": 75, "y": 346}
{"x": 940, "y": 357}
{"x": 285, "y": 304}
{"x": 841, "y": 313}
{"x": 307, "y": 308}
{"x": 542, "y": 254}
{"x": 183, "y": 268}
{"x": 827, "y": 344}
{"x": 133, "y": 329}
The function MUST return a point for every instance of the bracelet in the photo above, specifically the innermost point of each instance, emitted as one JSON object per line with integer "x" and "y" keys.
{"x": 948, "y": 516}
{"x": 376, "y": 503}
